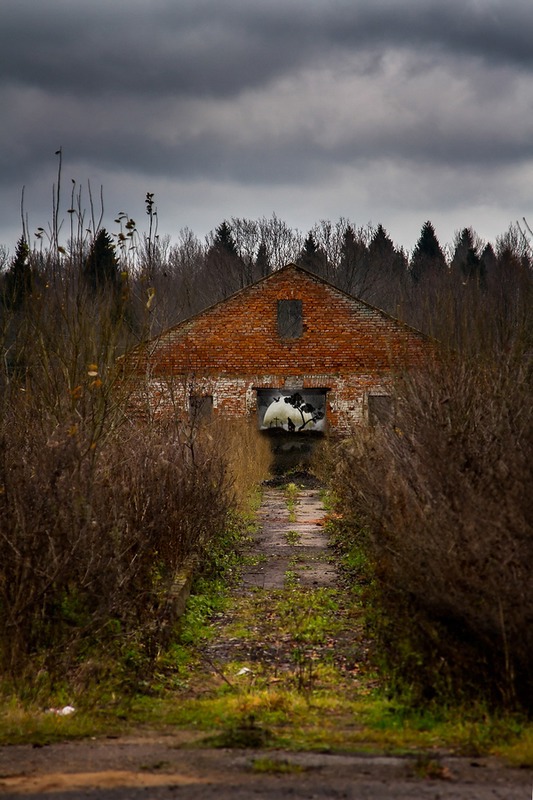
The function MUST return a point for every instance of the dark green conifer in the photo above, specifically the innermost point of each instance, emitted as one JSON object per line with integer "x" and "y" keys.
{"x": 224, "y": 262}
{"x": 312, "y": 257}
{"x": 101, "y": 268}
{"x": 383, "y": 255}
{"x": 353, "y": 262}
{"x": 224, "y": 241}
{"x": 18, "y": 280}
{"x": 262, "y": 262}
{"x": 428, "y": 258}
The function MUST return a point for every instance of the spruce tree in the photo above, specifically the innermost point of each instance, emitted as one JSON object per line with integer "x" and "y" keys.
{"x": 224, "y": 241}
{"x": 18, "y": 280}
{"x": 428, "y": 258}
{"x": 381, "y": 247}
{"x": 353, "y": 262}
{"x": 383, "y": 255}
{"x": 466, "y": 262}
{"x": 224, "y": 264}
{"x": 312, "y": 257}
{"x": 262, "y": 263}
{"x": 349, "y": 252}
{"x": 489, "y": 260}
{"x": 101, "y": 268}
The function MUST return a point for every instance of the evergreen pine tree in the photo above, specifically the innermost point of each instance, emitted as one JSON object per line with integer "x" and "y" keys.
{"x": 381, "y": 248}
{"x": 312, "y": 257}
{"x": 101, "y": 268}
{"x": 224, "y": 241}
{"x": 18, "y": 280}
{"x": 383, "y": 255}
{"x": 262, "y": 263}
{"x": 223, "y": 261}
{"x": 466, "y": 262}
{"x": 349, "y": 251}
{"x": 428, "y": 258}
{"x": 352, "y": 263}
{"x": 309, "y": 251}
{"x": 489, "y": 260}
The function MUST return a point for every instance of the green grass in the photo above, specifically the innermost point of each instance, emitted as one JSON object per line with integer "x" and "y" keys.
{"x": 291, "y": 579}
{"x": 292, "y": 538}
{"x": 271, "y": 717}
{"x": 291, "y": 498}
{"x": 275, "y": 766}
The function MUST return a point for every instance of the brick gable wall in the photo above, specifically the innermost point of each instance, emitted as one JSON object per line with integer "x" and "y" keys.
{"x": 233, "y": 348}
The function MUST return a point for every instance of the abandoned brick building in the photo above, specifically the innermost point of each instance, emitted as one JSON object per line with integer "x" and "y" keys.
{"x": 291, "y": 351}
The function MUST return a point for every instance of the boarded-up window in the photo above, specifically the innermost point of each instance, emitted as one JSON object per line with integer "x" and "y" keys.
{"x": 380, "y": 409}
{"x": 290, "y": 319}
{"x": 201, "y": 407}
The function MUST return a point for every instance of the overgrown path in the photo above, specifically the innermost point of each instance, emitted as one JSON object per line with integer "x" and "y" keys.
{"x": 280, "y": 701}
{"x": 290, "y": 625}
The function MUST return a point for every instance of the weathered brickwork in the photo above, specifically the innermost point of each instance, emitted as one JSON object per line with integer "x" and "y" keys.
{"x": 233, "y": 349}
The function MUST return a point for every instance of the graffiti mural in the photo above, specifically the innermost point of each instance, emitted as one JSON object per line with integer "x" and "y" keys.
{"x": 295, "y": 412}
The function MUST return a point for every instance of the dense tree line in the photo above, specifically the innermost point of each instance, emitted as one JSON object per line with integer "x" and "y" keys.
{"x": 152, "y": 283}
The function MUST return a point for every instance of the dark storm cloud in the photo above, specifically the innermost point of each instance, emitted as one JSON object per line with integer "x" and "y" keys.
{"x": 266, "y": 94}
{"x": 219, "y": 49}
{"x": 156, "y": 48}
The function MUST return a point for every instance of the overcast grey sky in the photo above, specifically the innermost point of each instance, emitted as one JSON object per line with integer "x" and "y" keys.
{"x": 381, "y": 111}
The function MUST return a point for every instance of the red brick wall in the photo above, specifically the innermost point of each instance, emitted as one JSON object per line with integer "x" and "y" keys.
{"x": 233, "y": 347}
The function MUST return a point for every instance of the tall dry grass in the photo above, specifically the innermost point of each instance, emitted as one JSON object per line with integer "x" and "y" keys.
{"x": 248, "y": 456}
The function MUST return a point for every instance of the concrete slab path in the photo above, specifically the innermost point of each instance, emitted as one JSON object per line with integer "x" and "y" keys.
{"x": 290, "y": 544}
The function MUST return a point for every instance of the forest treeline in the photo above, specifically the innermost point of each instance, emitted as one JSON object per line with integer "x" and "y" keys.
{"x": 154, "y": 283}
{"x": 99, "y": 515}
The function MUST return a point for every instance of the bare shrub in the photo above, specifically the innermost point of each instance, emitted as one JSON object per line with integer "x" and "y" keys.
{"x": 93, "y": 535}
{"x": 442, "y": 502}
{"x": 99, "y": 515}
